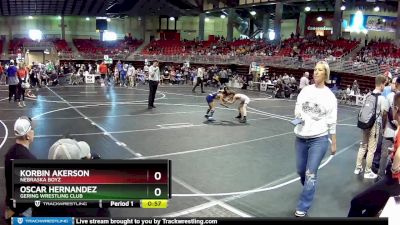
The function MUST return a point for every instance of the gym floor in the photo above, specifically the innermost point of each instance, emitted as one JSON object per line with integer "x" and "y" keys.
{"x": 209, "y": 160}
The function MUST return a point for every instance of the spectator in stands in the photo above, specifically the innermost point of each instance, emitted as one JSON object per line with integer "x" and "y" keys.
{"x": 292, "y": 79}
{"x": 279, "y": 89}
{"x": 12, "y": 80}
{"x": 154, "y": 79}
{"x": 304, "y": 81}
{"x": 355, "y": 88}
{"x": 370, "y": 137}
{"x": 286, "y": 79}
{"x": 318, "y": 116}
{"x": 348, "y": 90}
{"x": 23, "y": 130}
{"x": 373, "y": 199}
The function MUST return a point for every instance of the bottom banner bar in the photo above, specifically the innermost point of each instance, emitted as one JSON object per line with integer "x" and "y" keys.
{"x": 200, "y": 221}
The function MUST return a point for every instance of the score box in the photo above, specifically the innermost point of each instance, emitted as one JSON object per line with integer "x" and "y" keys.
{"x": 90, "y": 180}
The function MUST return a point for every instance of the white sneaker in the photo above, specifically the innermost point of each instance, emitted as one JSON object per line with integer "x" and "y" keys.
{"x": 370, "y": 175}
{"x": 300, "y": 214}
{"x": 358, "y": 171}
{"x": 23, "y": 104}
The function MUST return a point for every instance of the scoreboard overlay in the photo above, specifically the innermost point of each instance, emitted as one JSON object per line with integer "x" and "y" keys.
{"x": 91, "y": 183}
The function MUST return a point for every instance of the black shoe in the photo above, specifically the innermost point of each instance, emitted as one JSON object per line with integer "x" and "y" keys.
{"x": 206, "y": 116}
{"x": 153, "y": 106}
{"x": 150, "y": 107}
{"x": 238, "y": 117}
{"x": 375, "y": 168}
{"x": 193, "y": 91}
{"x": 243, "y": 120}
{"x": 203, "y": 92}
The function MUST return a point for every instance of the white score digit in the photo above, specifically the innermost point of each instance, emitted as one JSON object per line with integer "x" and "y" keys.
{"x": 157, "y": 175}
{"x": 157, "y": 192}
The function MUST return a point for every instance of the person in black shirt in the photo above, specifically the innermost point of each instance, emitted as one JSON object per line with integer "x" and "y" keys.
{"x": 20, "y": 150}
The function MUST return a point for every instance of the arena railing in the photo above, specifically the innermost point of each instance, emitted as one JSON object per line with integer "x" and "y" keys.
{"x": 42, "y": 44}
{"x": 336, "y": 64}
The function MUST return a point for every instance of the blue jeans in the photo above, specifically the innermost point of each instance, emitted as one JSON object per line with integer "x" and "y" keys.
{"x": 309, "y": 154}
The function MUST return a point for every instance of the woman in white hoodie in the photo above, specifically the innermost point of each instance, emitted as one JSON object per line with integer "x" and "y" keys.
{"x": 316, "y": 108}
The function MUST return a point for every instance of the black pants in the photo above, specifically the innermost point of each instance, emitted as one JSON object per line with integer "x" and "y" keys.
{"x": 223, "y": 81}
{"x": 377, "y": 155}
{"x": 375, "y": 197}
{"x": 34, "y": 81}
{"x": 12, "y": 90}
{"x": 153, "y": 89}
{"x": 20, "y": 93}
{"x": 199, "y": 82}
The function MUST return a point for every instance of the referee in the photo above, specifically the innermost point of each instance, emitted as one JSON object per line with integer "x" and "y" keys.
{"x": 154, "y": 79}
{"x": 200, "y": 77}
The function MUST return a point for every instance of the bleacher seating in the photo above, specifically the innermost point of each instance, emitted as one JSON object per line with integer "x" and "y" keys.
{"x": 210, "y": 47}
{"x": 318, "y": 47}
{"x": 93, "y": 47}
{"x": 16, "y": 45}
{"x": 61, "y": 45}
{"x": 383, "y": 53}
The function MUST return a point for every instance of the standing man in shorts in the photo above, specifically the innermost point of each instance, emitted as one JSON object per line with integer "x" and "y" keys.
{"x": 103, "y": 72}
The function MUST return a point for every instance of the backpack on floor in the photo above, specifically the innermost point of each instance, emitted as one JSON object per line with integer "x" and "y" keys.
{"x": 367, "y": 115}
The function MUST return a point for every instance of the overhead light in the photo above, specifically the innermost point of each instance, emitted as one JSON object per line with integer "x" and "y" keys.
{"x": 343, "y": 8}
{"x": 108, "y": 19}
{"x": 59, "y": 17}
{"x": 271, "y": 35}
{"x": 307, "y": 9}
{"x": 384, "y": 20}
{"x": 30, "y": 17}
{"x": 207, "y": 19}
{"x": 172, "y": 18}
{"x": 376, "y": 8}
{"x": 207, "y": 12}
{"x": 253, "y": 13}
{"x": 319, "y": 18}
{"x": 46, "y": 51}
{"x": 87, "y": 18}
{"x": 109, "y": 36}
{"x": 223, "y": 16}
{"x": 35, "y": 35}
